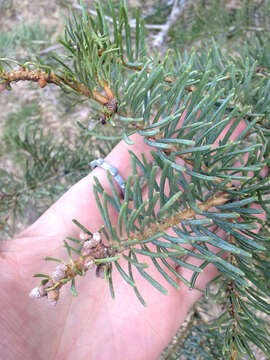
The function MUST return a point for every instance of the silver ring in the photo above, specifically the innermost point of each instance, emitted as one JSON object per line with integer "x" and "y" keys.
{"x": 113, "y": 171}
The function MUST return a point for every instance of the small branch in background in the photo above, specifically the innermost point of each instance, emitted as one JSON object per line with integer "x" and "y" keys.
{"x": 51, "y": 48}
{"x": 93, "y": 12}
{"x": 177, "y": 11}
{"x": 257, "y": 7}
{"x": 132, "y": 22}
{"x": 181, "y": 338}
{"x": 11, "y": 210}
{"x": 256, "y": 15}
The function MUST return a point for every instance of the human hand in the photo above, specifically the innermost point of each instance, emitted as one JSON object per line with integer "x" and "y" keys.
{"x": 91, "y": 325}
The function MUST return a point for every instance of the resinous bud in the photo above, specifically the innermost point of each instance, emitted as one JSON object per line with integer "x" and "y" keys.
{"x": 37, "y": 292}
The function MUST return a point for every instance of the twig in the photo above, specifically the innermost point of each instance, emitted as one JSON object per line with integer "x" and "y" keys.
{"x": 51, "y": 48}
{"x": 177, "y": 10}
{"x": 181, "y": 338}
{"x": 187, "y": 214}
{"x": 256, "y": 15}
{"x": 257, "y": 7}
{"x": 11, "y": 210}
{"x": 43, "y": 78}
{"x": 132, "y": 22}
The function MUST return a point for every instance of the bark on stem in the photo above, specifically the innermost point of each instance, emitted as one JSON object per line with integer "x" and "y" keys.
{"x": 42, "y": 78}
{"x": 187, "y": 214}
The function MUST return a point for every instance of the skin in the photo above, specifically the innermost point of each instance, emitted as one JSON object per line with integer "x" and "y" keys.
{"x": 92, "y": 325}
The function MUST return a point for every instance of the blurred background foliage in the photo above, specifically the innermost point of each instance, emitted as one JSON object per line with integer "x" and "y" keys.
{"x": 30, "y": 31}
{"x": 43, "y": 151}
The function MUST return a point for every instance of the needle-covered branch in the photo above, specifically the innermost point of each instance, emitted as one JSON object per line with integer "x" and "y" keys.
{"x": 204, "y": 194}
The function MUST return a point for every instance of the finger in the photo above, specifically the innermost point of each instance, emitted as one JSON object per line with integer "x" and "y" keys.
{"x": 209, "y": 272}
{"x": 79, "y": 201}
{"x": 190, "y": 296}
{"x": 235, "y": 134}
{"x": 240, "y": 164}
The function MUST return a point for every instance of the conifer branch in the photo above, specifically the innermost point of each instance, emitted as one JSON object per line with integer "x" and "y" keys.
{"x": 113, "y": 68}
{"x": 43, "y": 78}
{"x": 181, "y": 338}
{"x": 91, "y": 250}
{"x": 187, "y": 214}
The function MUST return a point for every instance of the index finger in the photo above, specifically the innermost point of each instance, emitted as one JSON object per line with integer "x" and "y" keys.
{"x": 79, "y": 201}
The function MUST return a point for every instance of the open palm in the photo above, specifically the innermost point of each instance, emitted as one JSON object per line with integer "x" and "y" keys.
{"x": 92, "y": 325}
{"x": 89, "y": 326}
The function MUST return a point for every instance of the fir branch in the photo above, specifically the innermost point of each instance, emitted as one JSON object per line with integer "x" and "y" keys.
{"x": 187, "y": 214}
{"x": 92, "y": 252}
{"x": 147, "y": 92}
{"x": 181, "y": 338}
{"x": 44, "y": 78}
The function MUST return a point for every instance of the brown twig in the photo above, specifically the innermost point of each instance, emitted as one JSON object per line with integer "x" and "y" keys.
{"x": 177, "y": 11}
{"x": 11, "y": 210}
{"x": 181, "y": 338}
{"x": 43, "y": 78}
{"x": 232, "y": 310}
{"x": 187, "y": 214}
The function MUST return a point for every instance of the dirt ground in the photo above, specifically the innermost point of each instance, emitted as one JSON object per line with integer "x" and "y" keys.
{"x": 49, "y": 14}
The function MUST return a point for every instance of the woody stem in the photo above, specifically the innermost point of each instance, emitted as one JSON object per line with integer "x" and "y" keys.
{"x": 38, "y": 76}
